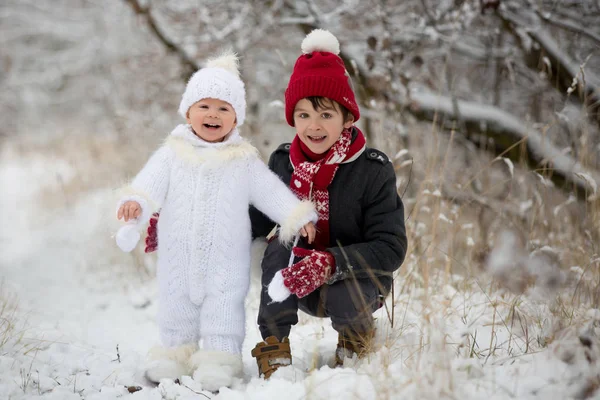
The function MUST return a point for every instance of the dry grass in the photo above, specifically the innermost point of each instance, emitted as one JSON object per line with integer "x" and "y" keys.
{"x": 458, "y": 202}
{"x": 92, "y": 162}
{"x": 9, "y": 332}
{"x": 460, "y": 205}
{"x": 17, "y": 345}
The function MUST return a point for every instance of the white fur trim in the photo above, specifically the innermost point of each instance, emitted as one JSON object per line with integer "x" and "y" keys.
{"x": 180, "y": 354}
{"x": 169, "y": 362}
{"x": 202, "y": 358}
{"x": 193, "y": 155}
{"x": 301, "y": 215}
{"x": 320, "y": 40}
{"x": 216, "y": 369}
{"x": 227, "y": 60}
{"x": 148, "y": 206}
{"x": 277, "y": 290}
{"x": 185, "y": 132}
{"x": 164, "y": 369}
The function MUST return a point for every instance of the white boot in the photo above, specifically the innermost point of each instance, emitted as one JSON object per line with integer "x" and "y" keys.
{"x": 169, "y": 362}
{"x": 215, "y": 369}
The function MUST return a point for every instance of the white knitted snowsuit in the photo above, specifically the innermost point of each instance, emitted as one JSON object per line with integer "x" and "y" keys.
{"x": 204, "y": 191}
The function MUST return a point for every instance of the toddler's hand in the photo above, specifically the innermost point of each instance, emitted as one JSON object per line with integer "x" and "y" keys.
{"x": 309, "y": 231}
{"x": 129, "y": 210}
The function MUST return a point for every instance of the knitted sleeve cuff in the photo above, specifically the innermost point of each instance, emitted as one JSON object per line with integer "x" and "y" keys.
{"x": 338, "y": 275}
{"x": 301, "y": 215}
{"x": 145, "y": 203}
{"x": 343, "y": 269}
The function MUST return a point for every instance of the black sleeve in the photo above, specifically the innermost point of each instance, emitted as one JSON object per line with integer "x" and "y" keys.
{"x": 260, "y": 223}
{"x": 384, "y": 233}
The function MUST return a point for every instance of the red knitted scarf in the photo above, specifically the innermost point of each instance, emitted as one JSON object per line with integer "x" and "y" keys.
{"x": 311, "y": 179}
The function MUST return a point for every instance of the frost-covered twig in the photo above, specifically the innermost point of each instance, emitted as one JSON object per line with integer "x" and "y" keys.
{"x": 571, "y": 26}
{"x": 495, "y": 120}
{"x": 561, "y": 62}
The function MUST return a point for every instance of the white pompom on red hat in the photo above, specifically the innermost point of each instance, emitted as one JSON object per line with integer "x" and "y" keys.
{"x": 320, "y": 71}
{"x": 320, "y": 40}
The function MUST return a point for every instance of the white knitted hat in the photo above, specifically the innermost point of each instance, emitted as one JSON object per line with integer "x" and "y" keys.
{"x": 220, "y": 79}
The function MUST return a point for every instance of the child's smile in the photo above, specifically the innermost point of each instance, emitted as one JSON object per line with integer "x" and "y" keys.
{"x": 211, "y": 119}
{"x": 212, "y": 126}
{"x": 319, "y": 129}
{"x": 316, "y": 139}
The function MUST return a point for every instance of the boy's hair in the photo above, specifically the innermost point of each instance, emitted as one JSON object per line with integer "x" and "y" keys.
{"x": 323, "y": 102}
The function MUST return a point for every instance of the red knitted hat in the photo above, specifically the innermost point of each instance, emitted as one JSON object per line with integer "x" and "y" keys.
{"x": 319, "y": 71}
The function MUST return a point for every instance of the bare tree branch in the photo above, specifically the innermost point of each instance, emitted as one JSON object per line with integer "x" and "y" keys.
{"x": 488, "y": 120}
{"x": 173, "y": 47}
{"x": 571, "y": 26}
{"x": 567, "y": 69}
{"x": 502, "y": 125}
{"x": 499, "y": 207}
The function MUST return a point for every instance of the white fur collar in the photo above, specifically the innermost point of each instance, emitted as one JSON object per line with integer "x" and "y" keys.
{"x": 189, "y": 147}
{"x": 185, "y": 132}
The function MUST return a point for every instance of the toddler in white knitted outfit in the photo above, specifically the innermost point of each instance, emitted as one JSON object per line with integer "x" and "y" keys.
{"x": 204, "y": 178}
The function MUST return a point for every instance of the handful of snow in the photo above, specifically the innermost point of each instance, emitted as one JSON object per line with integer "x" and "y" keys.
{"x": 127, "y": 237}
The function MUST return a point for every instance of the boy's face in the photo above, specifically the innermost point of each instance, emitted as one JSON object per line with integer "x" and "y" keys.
{"x": 319, "y": 129}
{"x": 211, "y": 119}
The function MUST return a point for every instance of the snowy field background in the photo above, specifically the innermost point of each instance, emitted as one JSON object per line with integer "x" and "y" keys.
{"x": 499, "y": 295}
{"x": 78, "y": 317}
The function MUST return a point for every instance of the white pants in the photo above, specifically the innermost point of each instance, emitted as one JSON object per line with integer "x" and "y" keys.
{"x": 218, "y": 321}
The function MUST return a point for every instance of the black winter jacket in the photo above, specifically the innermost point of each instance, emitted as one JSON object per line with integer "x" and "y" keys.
{"x": 366, "y": 220}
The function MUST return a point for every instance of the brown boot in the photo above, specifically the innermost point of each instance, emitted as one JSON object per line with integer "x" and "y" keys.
{"x": 272, "y": 354}
{"x": 350, "y": 344}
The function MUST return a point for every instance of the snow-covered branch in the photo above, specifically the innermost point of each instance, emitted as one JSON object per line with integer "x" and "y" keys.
{"x": 571, "y": 26}
{"x": 559, "y": 60}
{"x": 146, "y": 12}
{"x": 477, "y": 52}
{"x": 490, "y": 119}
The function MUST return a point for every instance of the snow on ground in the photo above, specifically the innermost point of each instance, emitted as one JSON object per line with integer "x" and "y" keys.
{"x": 76, "y": 320}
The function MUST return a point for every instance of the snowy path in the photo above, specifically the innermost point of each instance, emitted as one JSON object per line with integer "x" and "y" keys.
{"x": 76, "y": 308}
{"x": 78, "y": 298}
{"x": 74, "y": 313}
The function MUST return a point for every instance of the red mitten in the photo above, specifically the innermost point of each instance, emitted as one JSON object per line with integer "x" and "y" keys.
{"x": 152, "y": 238}
{"x": 313, "y": 271}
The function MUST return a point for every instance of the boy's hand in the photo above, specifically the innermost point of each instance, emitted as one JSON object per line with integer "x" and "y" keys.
{"x": 309, "y": 231}
{"x": 129, "y": 210}
{"x": 310, "y": 273}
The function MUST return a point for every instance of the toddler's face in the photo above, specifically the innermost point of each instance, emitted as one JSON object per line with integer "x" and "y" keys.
{"x": 319, "y": 129}
{"x": 211, "y": 119}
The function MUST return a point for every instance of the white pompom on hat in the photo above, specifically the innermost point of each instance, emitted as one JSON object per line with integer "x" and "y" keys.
{"x": 320, "y": 40}
{"x": 220, "y": 79}
{"x": 320, "y": 71}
